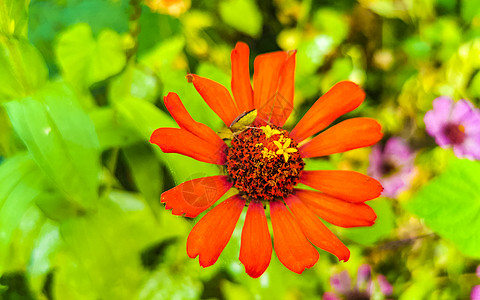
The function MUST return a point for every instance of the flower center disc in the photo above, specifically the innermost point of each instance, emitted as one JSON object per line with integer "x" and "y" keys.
{"x": 455, "y": 133}
{"x": 264, "y": 163}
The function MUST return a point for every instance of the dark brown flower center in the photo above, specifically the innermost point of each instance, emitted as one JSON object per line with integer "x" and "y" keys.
{"x": 388, "y": 168}
{"x": 455, "y": 133}
{"x": 264, "y": 163}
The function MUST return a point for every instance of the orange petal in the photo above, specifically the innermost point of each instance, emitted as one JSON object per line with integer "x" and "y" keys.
{"x": 273, "y": 82}
{"x": 174, "y": 140}
{"x": 336, "y": 211}
{"x": 347, "y": 135}
{"x": 256, "y": 246}
{"x": 210, "y": 235}
{"x": 194, "y": 196}
{"x": 342, "y": 98}
{"x": 217, "y": 97}
{"x": 292, "y": 247}
{"x": 241, "y": 87}
{"x": 346, "y": 185}
{"x": 185, "y": 121}
{"x": 315, "y": 230}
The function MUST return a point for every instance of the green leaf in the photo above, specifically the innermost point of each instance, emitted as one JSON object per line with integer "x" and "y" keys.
{"x": 330, "y": 22}
{"x": 450, "y": 205}
{"x": 22, "y": 69}
{"x": 47, "y": 244}
{"x": 61, "y": 138}
{"x": 381, "y": 229}
{"x": 21, "y": 182}
{"x": 14, "y": 17}
{"x": 146, "y": 173}
{"x": 243, "y": 15}
{"x": 84, "y": 60}
{"x": 106, "y": 243}
{"x": 112, "y": 128}
{"x": 136, "y": 82}
{"x": 146, "y": 117}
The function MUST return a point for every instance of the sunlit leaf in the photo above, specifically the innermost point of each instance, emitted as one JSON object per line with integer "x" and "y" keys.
{"x": 21, "y": 182}
{"x": 102, "y": 245}
{"x": 112, "y": 128}
{"x": 243, "y": 15}
{"x": 22, "y": 69}
{"x": 14, "y": 17}
{"x": 134, "y": 81}
{"x": 85, "y": 60}
{"x": 61, "y": 138}
{"x": 450, "y": 205}
{"x": 146, "y": 173}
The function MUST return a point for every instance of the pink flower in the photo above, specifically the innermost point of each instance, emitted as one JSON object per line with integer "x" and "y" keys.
{"x": 393, "y": 166}
{"x": 455, "y": 125}
{"x": 364, "y": 286}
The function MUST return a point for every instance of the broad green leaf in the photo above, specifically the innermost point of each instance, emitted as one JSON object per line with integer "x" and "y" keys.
{"x": 22, "y": 69}
{"x": 311, "y": 53}
{"x": 112, "y": 128}
{"x": 243, "y": 15}
{"x": 161, "y": 61}
{"x": 14, "y": 17}
{"x": 156, "y": 28}
{"x": 21, "y": 182}
{"x": 450, "y": 205}
{"x": 163, "y": 54}
{"x": 167, "y": 284}
{"x": 134, "y": 81}
{"x": 46, "y": 246}
{"x": 61, "y": 138}
{"x": 146, "y": 117}
{"x": 84, "y": 60}
{"x": 146, "y": 171}
{"x": 330, "y": 22}
{"x": 103, "y": 245}
{"x": 25, "y": 234}
{"x": 48, "y": 18}
{"x": 381, "y": 229}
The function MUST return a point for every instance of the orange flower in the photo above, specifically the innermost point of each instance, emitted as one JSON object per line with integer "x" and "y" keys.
{"x": 264, "y": 163}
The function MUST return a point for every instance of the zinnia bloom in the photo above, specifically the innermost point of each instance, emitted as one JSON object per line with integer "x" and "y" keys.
{"x": 393, "y": 165}
{"x": 264, "y": 163}
{"x": 364, "y": 288}
{"x": 455, "y": 125}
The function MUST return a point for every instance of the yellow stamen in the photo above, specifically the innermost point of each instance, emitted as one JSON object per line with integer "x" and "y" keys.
{"x": 284, "y": 149}
{"x": 269, "y": 132}
{"x": 268, "y": 154}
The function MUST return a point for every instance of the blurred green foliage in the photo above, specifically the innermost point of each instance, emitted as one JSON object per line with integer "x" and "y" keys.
{"x": 81, "y": 91}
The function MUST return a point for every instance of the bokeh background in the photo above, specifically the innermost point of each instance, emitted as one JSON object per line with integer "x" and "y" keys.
{"x": 81, "y": 89}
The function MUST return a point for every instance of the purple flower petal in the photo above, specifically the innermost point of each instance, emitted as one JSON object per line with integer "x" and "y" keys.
{"x": 364, "y": 274}
{"x": 330, "y": 296}
{"x": 398, "y": 149}
{"x": 461, "y": 110}
{"x": 393, "y": 166}
{"x": 385, "y": 287}
{"x": 341, "y": 282}
{"x": 459, "y": 128}
{"x": 475, "y": 294}
{"x": 436, "y": 118}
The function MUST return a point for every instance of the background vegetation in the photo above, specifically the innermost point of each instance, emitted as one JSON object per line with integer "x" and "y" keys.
{"x": 81, "y": 88}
